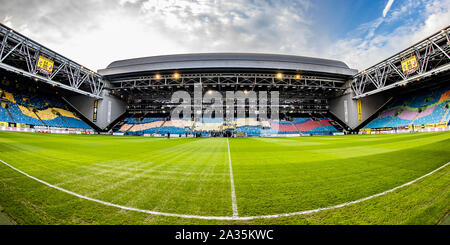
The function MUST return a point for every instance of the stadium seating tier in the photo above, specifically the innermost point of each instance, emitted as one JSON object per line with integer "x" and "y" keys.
{"x": 418, "y": 108}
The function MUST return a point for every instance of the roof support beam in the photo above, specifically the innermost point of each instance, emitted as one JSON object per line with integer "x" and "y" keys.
{"x": 46, "y": 80}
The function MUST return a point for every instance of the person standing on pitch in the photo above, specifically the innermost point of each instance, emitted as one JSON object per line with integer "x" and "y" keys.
{"x": 168, "y": 136}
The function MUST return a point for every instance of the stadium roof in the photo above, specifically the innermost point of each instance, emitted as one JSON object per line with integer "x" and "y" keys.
{"x": 227, "y": 60}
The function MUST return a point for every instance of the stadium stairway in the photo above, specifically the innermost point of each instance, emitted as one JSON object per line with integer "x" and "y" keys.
{"x": 117, "y": 126}
{"x": 10, "y": 116}
{"x": 415, "y": 118}
{"x": 298, "y": 130}
{"x": 162, "y": 124}
{"x": 324, "y": 126}
{"x": 390, "y": 121}
{"x": 62, "y": 118}
{"x": 132, "y": 125}
{"x": 336, "y": 125}
{"x": 43, "y": 123}
{"x": 444, "y": 117}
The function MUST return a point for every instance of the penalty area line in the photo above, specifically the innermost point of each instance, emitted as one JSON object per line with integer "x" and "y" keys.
{"x": 224, "y": 217}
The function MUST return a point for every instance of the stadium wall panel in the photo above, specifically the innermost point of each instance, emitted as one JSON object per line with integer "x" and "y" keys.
{"x": 369, "y": 105}
{"x": 109, "y": 108}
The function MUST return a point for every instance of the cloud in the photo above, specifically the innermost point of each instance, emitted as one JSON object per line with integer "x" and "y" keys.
{"x": 98, "y": 32}
{"x": 363, "y": 52}
{"x": 387, "y": 7}
{"x": 215, "y": 26}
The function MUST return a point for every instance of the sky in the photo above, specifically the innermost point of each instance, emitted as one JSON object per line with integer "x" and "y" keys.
{"x": 95, "y": 33}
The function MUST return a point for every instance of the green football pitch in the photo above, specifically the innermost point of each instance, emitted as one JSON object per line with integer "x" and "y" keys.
{"x": 355, "y": 179}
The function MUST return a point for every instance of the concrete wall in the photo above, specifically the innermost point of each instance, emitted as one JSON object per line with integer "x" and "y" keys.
{"x": 346, "y": 109}
{"x": 109, "y": 108}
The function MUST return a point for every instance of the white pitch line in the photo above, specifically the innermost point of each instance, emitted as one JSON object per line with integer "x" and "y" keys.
{"x": 233, "y": 192}
{"x": 224, "y": 217}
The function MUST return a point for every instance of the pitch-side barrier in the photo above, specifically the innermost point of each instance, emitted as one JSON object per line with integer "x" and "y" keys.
{"x": 48, "y": 130}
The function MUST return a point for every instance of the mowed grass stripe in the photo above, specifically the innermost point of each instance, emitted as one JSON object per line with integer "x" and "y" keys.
{"x": 323, "y": 148}
{"x": 42, "y": 160}
{"x": 300, "y": 183}
{"x": 202, "y": 165}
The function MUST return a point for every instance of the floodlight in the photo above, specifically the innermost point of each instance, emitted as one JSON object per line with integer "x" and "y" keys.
{"x": 279, "y": 75}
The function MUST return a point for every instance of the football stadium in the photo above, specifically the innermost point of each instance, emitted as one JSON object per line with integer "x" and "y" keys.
{"x": 256, "y": 139}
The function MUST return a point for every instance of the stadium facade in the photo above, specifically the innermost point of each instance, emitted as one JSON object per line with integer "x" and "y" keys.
{"x": 315, "y": 95}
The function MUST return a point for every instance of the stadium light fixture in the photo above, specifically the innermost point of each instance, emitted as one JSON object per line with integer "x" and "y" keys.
{"x": 298, "y": 76}
{"x": 176, "y": 75}
{"x": 279, "y": 75}
{"x": 157, "y": 76}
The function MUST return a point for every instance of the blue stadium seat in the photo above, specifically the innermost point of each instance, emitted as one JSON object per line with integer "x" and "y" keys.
{"x": 419, "y": 108}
